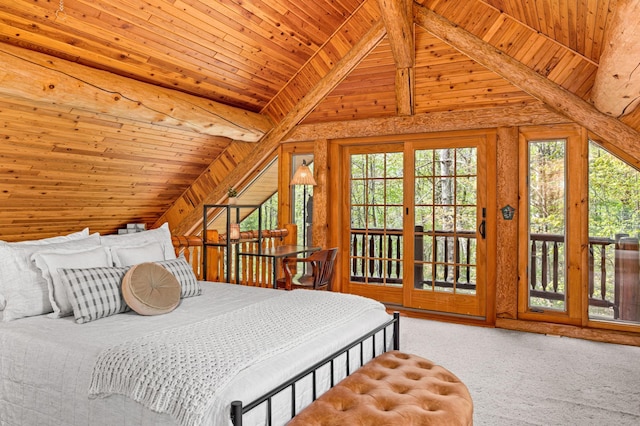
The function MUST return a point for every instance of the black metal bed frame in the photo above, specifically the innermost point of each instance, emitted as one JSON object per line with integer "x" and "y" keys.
{"x": 238, "y": 409}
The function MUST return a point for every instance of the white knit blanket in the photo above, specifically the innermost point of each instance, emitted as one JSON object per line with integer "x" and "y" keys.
{"x": 184, "y": 370}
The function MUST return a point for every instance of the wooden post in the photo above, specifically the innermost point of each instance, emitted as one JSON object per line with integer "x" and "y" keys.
{"x": 290, "y": 239}
{"x": 191, "y": 247}
{"x": 617, "y": 278}
{"x": 628, "y": 278}
{"x": 418, "y": 268}
{"x": 292, "y": 234}
{"x": 210, "y": 262}
{"x": 320, "y": 194}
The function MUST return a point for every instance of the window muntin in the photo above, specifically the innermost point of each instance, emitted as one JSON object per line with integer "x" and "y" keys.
{"x": 445, "y": 220}
{"x": 376, "y": 198}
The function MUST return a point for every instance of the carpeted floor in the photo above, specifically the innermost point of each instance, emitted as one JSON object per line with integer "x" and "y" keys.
{"x": 518, "y": 378}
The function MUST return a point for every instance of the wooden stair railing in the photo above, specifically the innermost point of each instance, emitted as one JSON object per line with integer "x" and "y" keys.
{"x": 255, "y": 271}
{"x": 249, "y": 270}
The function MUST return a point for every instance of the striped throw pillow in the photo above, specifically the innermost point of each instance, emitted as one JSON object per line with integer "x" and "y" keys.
{"x": 95, "y": 292}
{"x": 184, "y": 273}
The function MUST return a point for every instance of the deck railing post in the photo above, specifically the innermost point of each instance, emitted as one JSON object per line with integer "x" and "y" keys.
{"x": 591, "y": 270}
{"x": 418, "y": 268}
{"x": 532, "y": 265}
{"x": 628, "y": 278}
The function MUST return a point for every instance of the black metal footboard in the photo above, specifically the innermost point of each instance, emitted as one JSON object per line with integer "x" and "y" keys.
{"x": 238, "y": 409}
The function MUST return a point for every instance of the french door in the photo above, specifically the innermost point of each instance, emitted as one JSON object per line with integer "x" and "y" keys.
{"x": 448, "y": 217}
{"x": 418, "y": 225}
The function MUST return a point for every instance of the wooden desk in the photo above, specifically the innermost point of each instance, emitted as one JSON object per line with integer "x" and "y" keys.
{"x": 275, "y": 253}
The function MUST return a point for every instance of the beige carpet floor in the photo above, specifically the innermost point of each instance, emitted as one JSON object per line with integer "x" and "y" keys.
{"x": 518, "y": 378}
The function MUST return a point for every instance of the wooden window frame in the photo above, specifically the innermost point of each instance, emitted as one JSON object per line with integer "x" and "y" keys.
{"x": 576, "y": 210}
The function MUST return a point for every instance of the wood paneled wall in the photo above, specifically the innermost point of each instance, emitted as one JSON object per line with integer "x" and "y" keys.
{"x": 206, "y": 183}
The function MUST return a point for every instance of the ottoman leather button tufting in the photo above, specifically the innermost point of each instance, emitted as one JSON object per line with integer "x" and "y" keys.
{"x": 394, "y": 388}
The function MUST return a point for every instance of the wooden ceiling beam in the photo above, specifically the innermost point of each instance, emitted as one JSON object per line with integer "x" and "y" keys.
{"x": 263, "y": 149}
{"x": 26, "y": 74}
{"x": 616, "y": 90}
{"x": 518, "y": 74}
{"x": 442, "y": 121}
{"x": 397, "y": 16}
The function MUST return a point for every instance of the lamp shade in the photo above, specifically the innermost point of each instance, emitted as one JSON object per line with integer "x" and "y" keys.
{"x": 234, "y": 232}
{"x": 303, "y": 176}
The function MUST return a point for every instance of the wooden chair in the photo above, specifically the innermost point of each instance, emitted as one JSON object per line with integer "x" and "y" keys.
{"x": 320, "y": 276}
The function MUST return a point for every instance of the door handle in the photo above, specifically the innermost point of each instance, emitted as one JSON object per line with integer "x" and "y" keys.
{"x": 482, "y": 229}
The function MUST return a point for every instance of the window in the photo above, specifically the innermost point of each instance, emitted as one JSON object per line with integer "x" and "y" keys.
{"x": 552, "y": 229}
{"x": 579, "y": 245}
{"x": 547, "y": 224}
{"x": 614, "y": 227}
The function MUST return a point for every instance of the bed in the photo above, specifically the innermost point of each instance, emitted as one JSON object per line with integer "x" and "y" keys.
{"x": 281, "y": 350}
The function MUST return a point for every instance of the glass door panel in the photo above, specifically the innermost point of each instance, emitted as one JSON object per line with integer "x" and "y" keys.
{"x": 448, "y": 225}
{"x": 376, "y": 219}
{"x": 416, "y": 221}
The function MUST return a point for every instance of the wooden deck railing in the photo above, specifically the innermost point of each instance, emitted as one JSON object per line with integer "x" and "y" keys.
{"x": 453, "y": 259}
{"x": 614, "y": 272}
{"x": 370, "y": 261}
{"x": 249, "y": 270}
{"x": 614, "y": 267}
{"x": 377, "y": 256}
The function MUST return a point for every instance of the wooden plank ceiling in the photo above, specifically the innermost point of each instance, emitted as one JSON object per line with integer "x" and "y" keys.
{"x": 116, "y": 111}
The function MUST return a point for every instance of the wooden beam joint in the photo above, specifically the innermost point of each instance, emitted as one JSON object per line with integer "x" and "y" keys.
{"x": 397, "y": 16}
{"x": 523, "y": 77}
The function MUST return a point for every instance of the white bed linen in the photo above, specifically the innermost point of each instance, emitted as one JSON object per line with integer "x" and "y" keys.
{"x": 46, "y": 364}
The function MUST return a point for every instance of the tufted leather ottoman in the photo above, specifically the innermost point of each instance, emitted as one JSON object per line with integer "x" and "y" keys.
{"x": 396, "y": 389}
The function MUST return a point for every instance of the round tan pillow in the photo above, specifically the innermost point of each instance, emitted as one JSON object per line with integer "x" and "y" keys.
{"x": 149, "y": 289}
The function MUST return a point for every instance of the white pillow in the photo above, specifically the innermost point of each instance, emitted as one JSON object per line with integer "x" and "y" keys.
{"x": 128, "y": 256}
{"x": 159, "y": 235}
{"x": 73, "y": 236}
{"x": 50, "y": 263}
{"x": 59, "y": 239}
{"x": 21, "y": 282}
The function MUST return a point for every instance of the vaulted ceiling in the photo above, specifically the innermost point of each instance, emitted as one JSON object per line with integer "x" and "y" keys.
{"x": 117, "y": 111}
